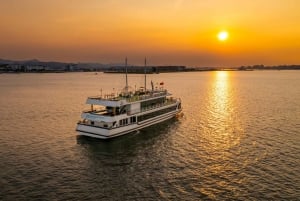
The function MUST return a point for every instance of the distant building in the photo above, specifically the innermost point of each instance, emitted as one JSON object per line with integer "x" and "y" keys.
{"x": 148, "y": 69}
{"x": 34, "y": 68}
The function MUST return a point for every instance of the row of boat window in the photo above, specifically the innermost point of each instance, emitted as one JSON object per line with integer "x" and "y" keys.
{"x": 152, "y": 102}
{"x": 133, "y": 119}
{"x": 157, "y": 113}
{"x": 123, "y": 122}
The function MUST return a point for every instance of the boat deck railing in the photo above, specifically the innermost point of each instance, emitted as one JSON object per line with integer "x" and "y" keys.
{"x": 97, "y": 111}
{"x": 94, "y": 111}
{"x": 131, "y": 97}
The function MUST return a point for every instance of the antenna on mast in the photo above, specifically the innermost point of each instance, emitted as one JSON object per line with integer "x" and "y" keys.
{"x": 145, "y": 71}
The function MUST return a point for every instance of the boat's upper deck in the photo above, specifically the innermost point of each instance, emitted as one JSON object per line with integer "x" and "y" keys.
{"x": 116, "y": 100}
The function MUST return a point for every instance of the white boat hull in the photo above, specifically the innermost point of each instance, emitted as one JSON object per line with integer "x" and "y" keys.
{"x": 103, "y": 133}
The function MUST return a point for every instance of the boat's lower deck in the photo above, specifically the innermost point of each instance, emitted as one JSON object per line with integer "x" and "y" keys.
{"x": 105, "y": 133}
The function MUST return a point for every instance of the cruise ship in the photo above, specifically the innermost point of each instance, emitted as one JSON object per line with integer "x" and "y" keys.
{"x": 115, "y": 115}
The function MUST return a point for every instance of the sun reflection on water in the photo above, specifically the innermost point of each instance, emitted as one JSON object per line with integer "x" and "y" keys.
{"x": 222, "y": 119}
{"x": 220, "y": 94}
{"x": 222, "y": 132}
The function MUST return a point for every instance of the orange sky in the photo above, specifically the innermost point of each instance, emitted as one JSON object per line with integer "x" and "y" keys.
{"x": 174, "y": 32}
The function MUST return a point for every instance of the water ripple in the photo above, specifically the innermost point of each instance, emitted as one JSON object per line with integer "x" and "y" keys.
{"x": 238, "y": 140}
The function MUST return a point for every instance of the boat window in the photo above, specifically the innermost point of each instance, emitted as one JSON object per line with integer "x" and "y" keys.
{"x": 133, "y": 119}
{"x": 92, "y": 123}
{"x": 109, "y": 109}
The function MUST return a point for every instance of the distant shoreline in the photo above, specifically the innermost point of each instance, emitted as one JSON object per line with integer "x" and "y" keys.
{"x": 119, "y": 72}
{"x": 36, "y": 66}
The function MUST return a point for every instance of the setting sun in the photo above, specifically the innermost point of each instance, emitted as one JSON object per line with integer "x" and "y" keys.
{"x": 223, "y": 35}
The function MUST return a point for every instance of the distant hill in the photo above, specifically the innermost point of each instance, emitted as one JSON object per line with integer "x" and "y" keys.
{"x": 52, "y": 65}
{"x": 33, "y": 62}
{"x": 4, "y": 61}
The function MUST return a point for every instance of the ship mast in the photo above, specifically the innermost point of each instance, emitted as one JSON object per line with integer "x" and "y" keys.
{"x": 145, "y": 71}
{"x": 126, "y": 87}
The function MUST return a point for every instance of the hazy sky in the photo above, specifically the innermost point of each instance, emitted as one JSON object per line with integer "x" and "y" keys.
{"x": 175, "y": 32}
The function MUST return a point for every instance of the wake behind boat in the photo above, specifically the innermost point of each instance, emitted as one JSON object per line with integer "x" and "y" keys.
{"x": 114, "y": 115}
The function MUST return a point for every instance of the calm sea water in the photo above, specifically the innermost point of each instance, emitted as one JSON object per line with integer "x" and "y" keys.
{"x": 239, "y": 139}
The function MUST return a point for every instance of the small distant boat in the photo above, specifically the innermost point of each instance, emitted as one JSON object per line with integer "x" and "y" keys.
{"x": 115, "y": 115}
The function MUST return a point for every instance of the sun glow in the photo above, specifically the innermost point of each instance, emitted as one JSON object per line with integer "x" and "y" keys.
{"x": 223, "y": 35}
{"x": 222, "y": 74}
